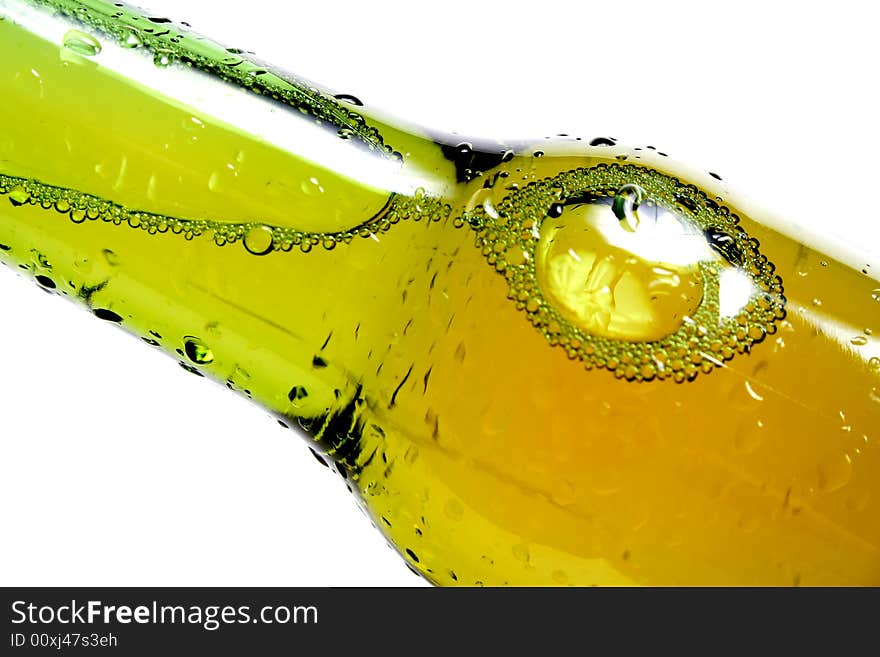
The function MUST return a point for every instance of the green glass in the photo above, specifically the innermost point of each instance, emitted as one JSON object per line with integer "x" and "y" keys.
{"x": 565, "y": 362}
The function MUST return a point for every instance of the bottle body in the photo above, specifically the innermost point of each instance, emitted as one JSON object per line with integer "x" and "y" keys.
{"x": 516, "y": 391}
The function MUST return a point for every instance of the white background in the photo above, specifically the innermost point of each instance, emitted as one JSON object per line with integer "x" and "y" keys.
{"x": 118, "y": 468}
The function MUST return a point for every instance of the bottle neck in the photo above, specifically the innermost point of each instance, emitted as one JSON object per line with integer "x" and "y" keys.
{"x": 221, "y": 138}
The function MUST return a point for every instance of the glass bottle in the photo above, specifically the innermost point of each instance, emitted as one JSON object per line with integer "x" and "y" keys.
{"x": 555, "y": 363}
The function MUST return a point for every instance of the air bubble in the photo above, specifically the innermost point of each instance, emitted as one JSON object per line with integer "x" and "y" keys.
{"x": 81, "y": 43}
{"x": 859, "y": 341}
{"x": 621, "y": 293}
{"x": 875, "y": 294}
{"x": 515, "y": 256}
{"x": 259, "y": 240}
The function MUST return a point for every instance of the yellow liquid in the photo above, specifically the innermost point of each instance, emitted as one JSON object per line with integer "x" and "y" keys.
{"x": 519, "y": 392}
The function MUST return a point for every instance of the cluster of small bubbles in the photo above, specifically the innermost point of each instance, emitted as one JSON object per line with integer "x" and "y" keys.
{"x": 703, "y": 342}
{"x": 257, "y": 238}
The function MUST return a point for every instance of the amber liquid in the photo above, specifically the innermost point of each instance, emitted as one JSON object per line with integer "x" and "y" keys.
{"x": 517, "y": 394}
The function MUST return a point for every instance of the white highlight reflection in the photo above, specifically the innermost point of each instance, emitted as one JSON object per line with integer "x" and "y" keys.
{"x": 262, "y": 118}
{"x": 735, "y": 288}
{"x": 665, "y": 240}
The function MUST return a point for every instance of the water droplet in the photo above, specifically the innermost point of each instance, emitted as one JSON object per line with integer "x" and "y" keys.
{"x": 197, "y": 351}
{"x": 111, "y": 257}
{"x": 555, "y": 210}
{"x": 521, "y": 552}
{"x": 18, "y": 195}
{"x": 214, "y": 181}
{"x": 162, "y": 58}
{"x": 259, "y": 240}
{"x": 45, "y": 281}
{"x": 859, "y": 341}
{"x": 834, "y": 472}
{"x": 749, "y": 437}
{"x": 559, "y": 577}
{"x": 107, "y": 315}
{"x": 81, "y": 43}
{"x": 752, "y": 393}
{"x": 297, "y": 394}
{"x": 131, "y": 39}
{"x": 490, "y": 209}
{"x": 464, "y": 149}
{"x": 40, "y": 259}
{"x": 626, "y": 206}
{"x": 348, "y": 98}
{"x": 858, "y": 500}
{"x": 311, "y": 186}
